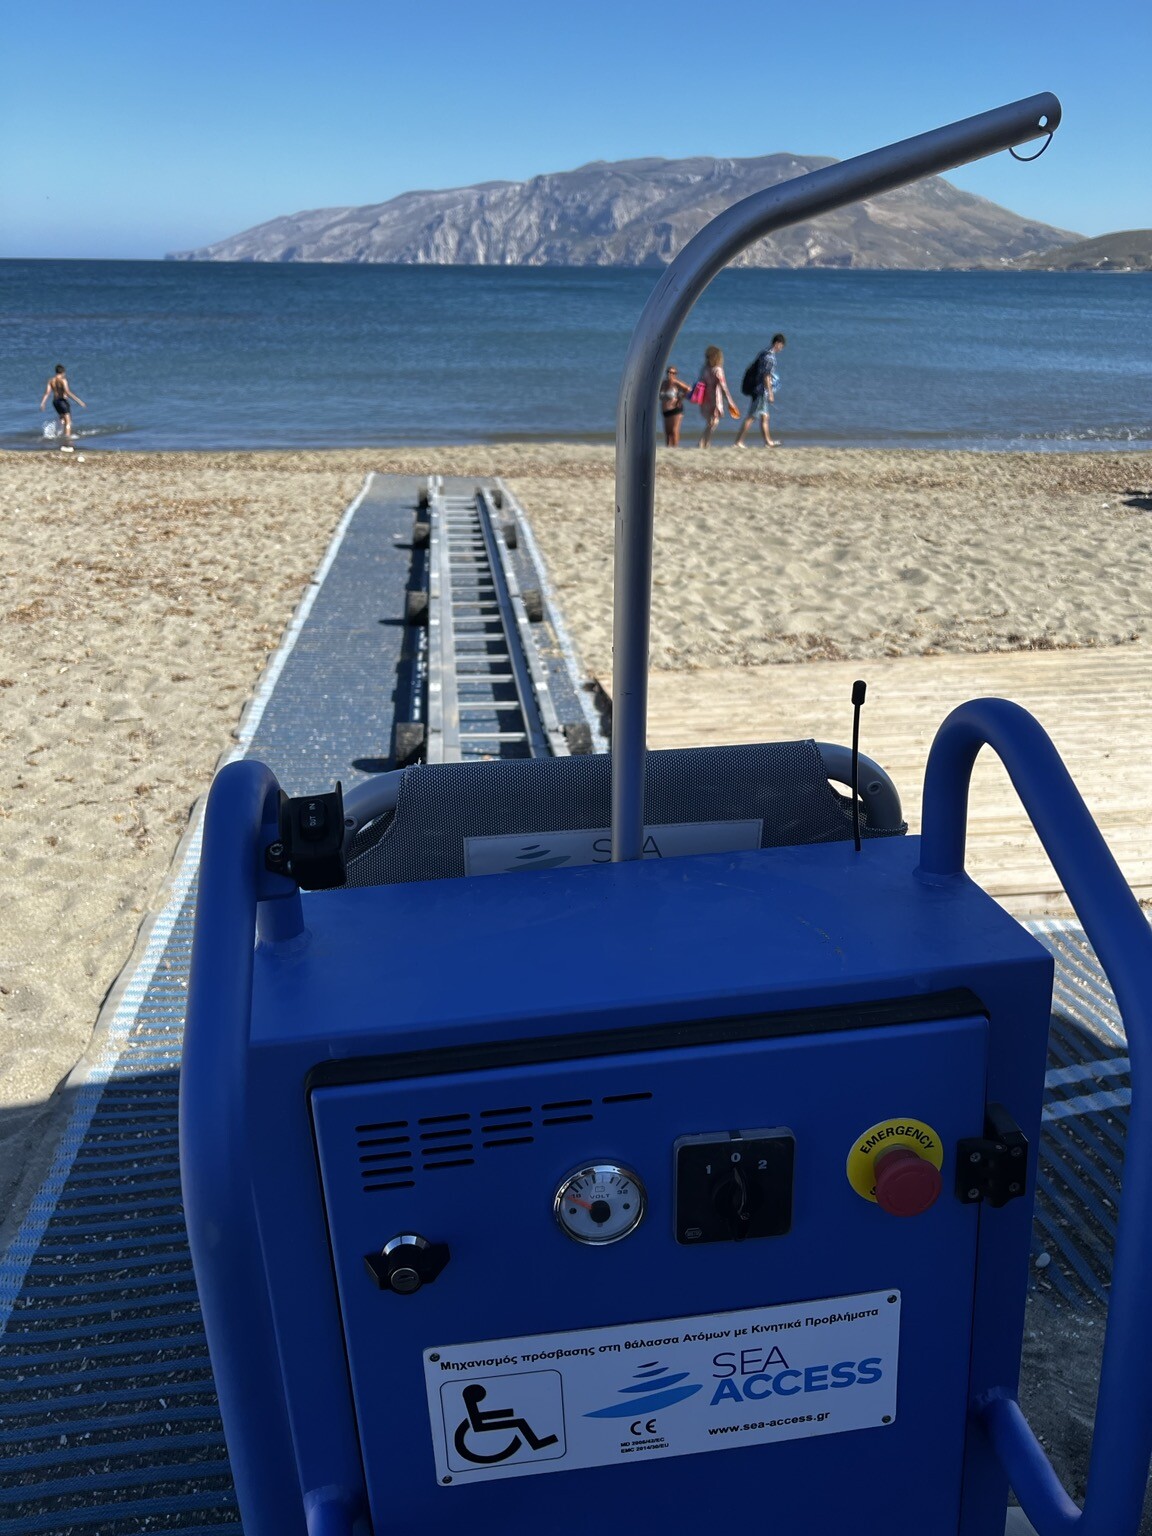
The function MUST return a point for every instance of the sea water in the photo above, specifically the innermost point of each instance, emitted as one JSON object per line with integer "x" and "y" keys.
{"x": 236, "y": 355}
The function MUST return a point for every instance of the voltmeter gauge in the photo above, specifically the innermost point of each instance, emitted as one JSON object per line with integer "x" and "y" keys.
{"x": 600, "y": 1203}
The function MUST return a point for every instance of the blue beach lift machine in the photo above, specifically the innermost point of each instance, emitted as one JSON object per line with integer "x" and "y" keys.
{"x": 671, "y": 1194}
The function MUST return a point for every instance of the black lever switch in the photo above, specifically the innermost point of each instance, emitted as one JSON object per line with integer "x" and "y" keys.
{"x": 733, "y": 1185}
{"x": 311, "y": 844}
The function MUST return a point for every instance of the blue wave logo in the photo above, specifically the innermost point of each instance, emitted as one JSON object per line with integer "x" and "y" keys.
{"x": 537, "y": 856}
{"x": 654, "y": 1387}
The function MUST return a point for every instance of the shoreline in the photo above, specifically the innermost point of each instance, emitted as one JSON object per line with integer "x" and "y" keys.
{"x": 143, "y": 593}
{"x": 95, "y": 443}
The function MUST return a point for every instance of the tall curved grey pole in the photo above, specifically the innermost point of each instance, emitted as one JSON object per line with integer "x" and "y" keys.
{"x": 672, "y": 299}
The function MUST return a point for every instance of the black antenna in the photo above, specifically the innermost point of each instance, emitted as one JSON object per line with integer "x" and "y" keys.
{"x": 859, "y": 689}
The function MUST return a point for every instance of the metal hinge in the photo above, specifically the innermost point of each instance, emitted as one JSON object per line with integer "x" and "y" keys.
{"x": 992, "y": 1168}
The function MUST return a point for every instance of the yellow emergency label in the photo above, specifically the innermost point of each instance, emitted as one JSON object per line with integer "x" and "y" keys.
{"x": 883, "y": 1137}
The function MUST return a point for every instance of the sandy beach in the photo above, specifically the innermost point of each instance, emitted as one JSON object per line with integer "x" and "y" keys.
{"x": 142, "y": 594}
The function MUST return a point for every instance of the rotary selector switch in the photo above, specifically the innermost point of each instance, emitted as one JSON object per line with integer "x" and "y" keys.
{"x": 407, "y": 1262}
{"x": 733, "y": 1185}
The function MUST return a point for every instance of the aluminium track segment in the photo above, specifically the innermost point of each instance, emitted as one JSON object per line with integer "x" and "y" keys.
{"x": 489, "y": 692}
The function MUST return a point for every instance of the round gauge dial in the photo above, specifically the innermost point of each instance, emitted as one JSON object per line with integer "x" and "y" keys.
{"x": 600, "y": 1203}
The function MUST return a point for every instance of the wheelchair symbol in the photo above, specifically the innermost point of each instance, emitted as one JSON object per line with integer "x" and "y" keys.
{"x": 490, "y": 1421}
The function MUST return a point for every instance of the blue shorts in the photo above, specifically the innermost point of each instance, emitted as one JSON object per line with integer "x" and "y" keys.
{"x": 760, "y": 403}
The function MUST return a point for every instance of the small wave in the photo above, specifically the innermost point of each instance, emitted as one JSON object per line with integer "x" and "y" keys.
{"x": 48, "y": 435}
{"x": 53, "y": 431}
{"x": 108, "y": 429}
{"x": 1088, "y": 438}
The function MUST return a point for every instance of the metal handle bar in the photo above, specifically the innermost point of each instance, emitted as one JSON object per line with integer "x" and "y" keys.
{"x": 374, "y": 797}
{"x": 370, "y": 799}
{"x": 238, "y": 901}
{"x": 215, "y": 1172}
{"x": 1121, "y": 936}
{"x": 877, "y": 791}
{"x": 665, "y": 312}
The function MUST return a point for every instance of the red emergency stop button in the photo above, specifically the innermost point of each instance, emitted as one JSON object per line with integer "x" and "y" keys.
{"x": 906, "y": 1183}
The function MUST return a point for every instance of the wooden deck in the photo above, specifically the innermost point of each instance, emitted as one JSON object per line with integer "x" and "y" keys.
{"x": 1096, "y": 706}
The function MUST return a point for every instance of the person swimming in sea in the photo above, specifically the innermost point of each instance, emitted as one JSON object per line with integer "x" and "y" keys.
{"x": 62, "y": 396}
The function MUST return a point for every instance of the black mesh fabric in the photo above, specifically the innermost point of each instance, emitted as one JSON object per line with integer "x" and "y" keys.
{"x": 784, "y": 784}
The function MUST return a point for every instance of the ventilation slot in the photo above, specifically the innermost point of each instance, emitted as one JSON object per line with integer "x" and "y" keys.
{"x": 387, "y": 1151}
{"x": 550, "y": 1117}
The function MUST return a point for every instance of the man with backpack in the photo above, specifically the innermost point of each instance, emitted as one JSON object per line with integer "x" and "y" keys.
{"x": 760, "y": 381}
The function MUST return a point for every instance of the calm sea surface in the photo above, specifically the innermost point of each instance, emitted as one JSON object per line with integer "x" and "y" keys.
{"x": 183, "y": 355}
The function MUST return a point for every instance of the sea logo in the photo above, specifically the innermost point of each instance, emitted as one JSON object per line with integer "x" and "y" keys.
{"x": 653, "y": 1388}
{"x": 536, "y": 856}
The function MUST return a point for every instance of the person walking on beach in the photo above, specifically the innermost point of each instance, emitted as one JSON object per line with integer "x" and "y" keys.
{"x": 57, "y": 387}
{"x": 765, "y": 395}
{"x": 672, "y": 392}
{"x": 716, "y": 394}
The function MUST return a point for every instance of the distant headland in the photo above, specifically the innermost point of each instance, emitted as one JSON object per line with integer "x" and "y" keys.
{"x": 640, "y": 213}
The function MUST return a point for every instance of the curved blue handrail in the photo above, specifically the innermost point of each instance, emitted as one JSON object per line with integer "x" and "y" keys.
{"x": 1122, "y": 938}
{"x": 215, "y": 1171}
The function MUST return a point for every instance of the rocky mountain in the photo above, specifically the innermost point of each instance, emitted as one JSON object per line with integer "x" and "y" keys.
{"x": 637, "y": 213}
{"x": 1129, "y": 250}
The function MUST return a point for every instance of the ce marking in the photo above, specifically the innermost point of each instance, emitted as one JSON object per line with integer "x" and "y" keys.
{"x": 639, "y": 1427}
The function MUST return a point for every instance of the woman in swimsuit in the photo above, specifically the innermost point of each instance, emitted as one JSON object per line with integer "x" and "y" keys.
{"x": 57, "y": 387}
{"x": 716, "y": 394}
{"x": 672, "y": 393}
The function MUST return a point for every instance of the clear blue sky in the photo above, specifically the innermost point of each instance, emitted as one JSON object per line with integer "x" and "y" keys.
{"x": 129, "y": 128}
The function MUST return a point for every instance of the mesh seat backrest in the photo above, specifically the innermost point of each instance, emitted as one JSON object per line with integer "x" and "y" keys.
{"x": 784, "y": 785}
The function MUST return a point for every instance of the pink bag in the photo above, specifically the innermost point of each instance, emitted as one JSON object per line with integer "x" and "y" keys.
{"x": 697, "y": 395}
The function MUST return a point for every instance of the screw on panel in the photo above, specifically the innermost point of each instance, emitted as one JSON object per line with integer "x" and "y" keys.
{"x": 433, "y": 1357}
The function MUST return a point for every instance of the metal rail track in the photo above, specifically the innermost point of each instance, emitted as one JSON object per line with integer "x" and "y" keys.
{"x": 480, "y": 684}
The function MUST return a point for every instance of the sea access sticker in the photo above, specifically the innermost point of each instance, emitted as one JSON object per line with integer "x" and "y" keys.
{"x": 675, "y": 1387}
{"x": 504, "y": 855}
